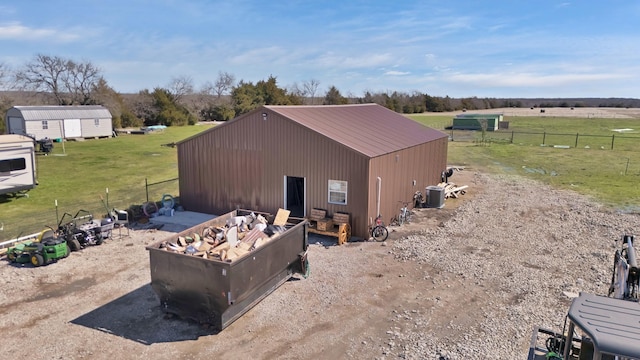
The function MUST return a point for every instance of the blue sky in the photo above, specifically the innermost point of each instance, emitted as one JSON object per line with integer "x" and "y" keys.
{"x": 487, "y": 48}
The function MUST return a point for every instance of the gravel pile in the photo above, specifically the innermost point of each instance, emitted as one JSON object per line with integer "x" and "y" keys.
{"x": 519, "y": 251}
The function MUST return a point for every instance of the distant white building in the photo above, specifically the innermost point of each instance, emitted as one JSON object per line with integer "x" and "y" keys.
{"x": 60, "y": 122}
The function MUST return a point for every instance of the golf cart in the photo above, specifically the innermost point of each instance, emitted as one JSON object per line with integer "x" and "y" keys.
{"x": 46, "y": 249}
{"x": 599, "y": 328}
{"x": 82, "y": 229}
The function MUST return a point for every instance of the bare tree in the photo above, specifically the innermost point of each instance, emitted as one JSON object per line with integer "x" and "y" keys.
{"x": 4, "y": 75}
{"x": 310, "y": 88}
{"x": 43, "y": 74}
{"x": 295, "y": 90}
{"x": 81, "y": 80}
{"x": 68, "y": 82}
{"x": 181, "y": 86}
{"x": 224, "y": 83}
{"x": 207, "y": 88}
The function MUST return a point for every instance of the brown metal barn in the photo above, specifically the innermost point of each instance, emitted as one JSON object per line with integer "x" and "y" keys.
{"x": 359, "y": 159}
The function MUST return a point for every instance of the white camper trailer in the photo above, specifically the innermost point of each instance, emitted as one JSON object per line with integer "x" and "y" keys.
{"x": 17, "y": 164}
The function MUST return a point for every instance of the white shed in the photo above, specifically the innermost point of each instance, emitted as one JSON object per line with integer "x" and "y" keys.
{"x": 60, "y": 122}
{"x": 17, "y": 164}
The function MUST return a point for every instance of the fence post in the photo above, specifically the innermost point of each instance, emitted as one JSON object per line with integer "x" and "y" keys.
{"x": 544, "y": 137}
{"x": 576, "y": 140}
{"x": 512, "y": 136}
{"x": 612, "y": 138}
{"x": 627, "y": 168}
{"x": 146, "y": 188}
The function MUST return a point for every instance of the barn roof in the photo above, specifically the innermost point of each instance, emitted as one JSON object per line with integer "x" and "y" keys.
{"x": 61, "y": 112}
{"x": 370, "y": 129}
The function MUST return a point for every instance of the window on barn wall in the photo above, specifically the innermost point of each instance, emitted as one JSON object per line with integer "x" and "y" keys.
{"x": 337, "y": 192}
{"x": 45, "y": 124}
{"x": 96, "y": 122}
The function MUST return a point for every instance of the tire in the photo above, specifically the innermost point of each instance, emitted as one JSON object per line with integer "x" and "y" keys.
{"x": 74, "y": 244}
{"x": 380, "y": 233}
{"x": 449, "y": 172}
{"x": 11, "y": 256}
{"x": 68, "y": 251}
{"x": 148, "y": 212}
{"x": 37, "y": 260}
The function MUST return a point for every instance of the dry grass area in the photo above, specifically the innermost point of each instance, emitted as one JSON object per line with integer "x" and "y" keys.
{"x": 606, "y": 113}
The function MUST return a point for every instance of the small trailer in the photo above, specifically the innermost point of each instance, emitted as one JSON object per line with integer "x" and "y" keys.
{"x": 17, "y": 164}
{"x": 195, "y": 278}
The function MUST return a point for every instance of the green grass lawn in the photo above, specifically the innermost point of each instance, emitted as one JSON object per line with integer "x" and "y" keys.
{"x": 78, "y": 173}
{"x": 591, "y": 168}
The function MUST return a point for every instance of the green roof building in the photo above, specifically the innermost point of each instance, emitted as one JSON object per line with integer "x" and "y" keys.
{"x": 474, "y": 121}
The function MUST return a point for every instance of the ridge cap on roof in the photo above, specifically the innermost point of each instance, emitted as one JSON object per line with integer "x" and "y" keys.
{"x": 54, "y": 106}
{"x": 318, "y": 106}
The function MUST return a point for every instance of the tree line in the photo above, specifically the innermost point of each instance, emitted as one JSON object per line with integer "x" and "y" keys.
{"x": 54, "y": 80}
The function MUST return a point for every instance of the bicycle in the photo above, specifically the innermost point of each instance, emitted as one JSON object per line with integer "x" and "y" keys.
{"x": 379, "y": 232}
{"x": 405, "y": 214}
{"x": 403, "y": 217}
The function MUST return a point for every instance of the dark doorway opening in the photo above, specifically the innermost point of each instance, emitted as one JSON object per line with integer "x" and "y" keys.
{"x": 294, "y": 196}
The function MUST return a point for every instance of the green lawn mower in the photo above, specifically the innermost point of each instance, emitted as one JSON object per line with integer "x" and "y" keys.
{"x": 47, "y": 250}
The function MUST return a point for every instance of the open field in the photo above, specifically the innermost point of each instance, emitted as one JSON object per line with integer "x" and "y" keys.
{"x": 578, "y": 112}
{"x": 591, "y": 168}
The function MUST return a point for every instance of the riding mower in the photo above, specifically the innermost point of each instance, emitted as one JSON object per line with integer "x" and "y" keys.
{"x": 44, "y": 250}
{"x": 82, "y": 229}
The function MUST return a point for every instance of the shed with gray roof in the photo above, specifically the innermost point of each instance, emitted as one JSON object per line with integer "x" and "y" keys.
{"x": 60, "y": 122}
{"x": 359, "y": 159}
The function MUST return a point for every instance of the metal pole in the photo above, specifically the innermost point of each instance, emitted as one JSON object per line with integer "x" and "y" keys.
{"x": 576, "y": 140}
{"x": 627, "y": 168}
{"x": 146, "y": 188}
{"x": 107, "y": 190}
{"x": 544, "y": 137}
{"x": 512, "y": 136}
{"x": 57, "y": 218}
{"x": 612, "y": 138}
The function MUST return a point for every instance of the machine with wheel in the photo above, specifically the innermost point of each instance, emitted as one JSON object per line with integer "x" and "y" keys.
{"x": 47, "y": 249}
{"x": 597, "y": 326}
{"x": 83, "y": 230}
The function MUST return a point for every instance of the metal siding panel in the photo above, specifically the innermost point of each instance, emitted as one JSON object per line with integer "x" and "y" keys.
{"x": 89, "y": 129}
{"x": 423, "y": 163}
{"x": 243, "y": 164}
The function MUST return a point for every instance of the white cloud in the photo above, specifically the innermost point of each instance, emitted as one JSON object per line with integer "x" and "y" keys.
{"x": 17, "y": 31}
{"x": 529, "y": 79}
{"x": 397, "y": 73}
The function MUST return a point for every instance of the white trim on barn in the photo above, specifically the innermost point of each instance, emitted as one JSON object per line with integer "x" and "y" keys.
{"x": 57, "y": 122}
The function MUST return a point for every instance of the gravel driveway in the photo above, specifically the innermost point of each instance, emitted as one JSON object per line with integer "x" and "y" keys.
{"x": 468, "y": 281}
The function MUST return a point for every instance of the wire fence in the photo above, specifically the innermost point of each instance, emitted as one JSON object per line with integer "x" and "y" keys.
{"x": 623, "y": 165}
{"x": 106, "y": 200}
{"x": 574, "y": 140}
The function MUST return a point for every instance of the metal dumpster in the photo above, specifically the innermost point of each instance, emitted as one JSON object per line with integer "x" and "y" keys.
{"x": 217, "y": 292}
